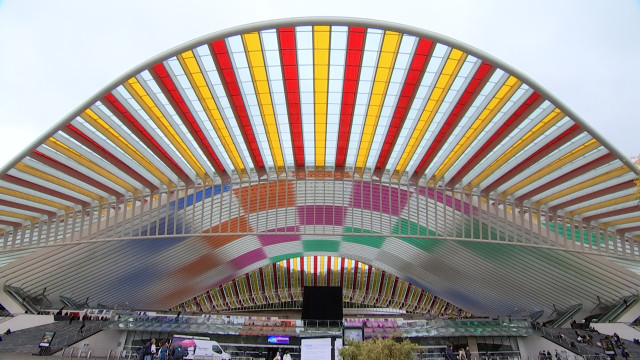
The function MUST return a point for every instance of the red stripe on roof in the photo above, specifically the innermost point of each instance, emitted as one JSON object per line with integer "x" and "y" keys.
{"x": 594, "y": 164}
{"x": 55, "y": 164}
{"x": 288, "y": 58}
{"x": 366, "y": 290}
{"x": 252, "y": 292}
{"x": 11, "y": 223}
{"x": 407, "y": 94}
{"x": 380, "y": 287}
{"x": 417, "y": 304}
{"x": 393, "y": 291}
{"x": 627, "y": 210}
{"x": 262, "y": 281}
{"x": 224, "y": 297}
{"x": 169, "y": 89}
{"x": 355, "y": 51}
{"x": 521, "y": 114}
{"x": 143, "y": 135}
{"x": 628, "y": 229}
{"x": 482, "y": 75}
{"x": 275, "y": 280}
{"x": 596, "y": 194}
{"x": 34, "y": 209}
{"x": 211, "y": 301}
{"x": 43, "y": 189}
{"x": 237, "y": 293}
{"x": 315, "y": 268}
{"x": 103, "y": 153}
{"x": 532, "y": 159}
{"x": 328, "y": 271}
{"x": 404, "y": 304}
{"x": 222, "y": 60}
{"x": 302, "y": 272}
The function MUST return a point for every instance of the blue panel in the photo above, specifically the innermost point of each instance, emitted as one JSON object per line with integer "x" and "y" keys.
{"x": 417, "y": 283}
{"x": 217, "y": 189}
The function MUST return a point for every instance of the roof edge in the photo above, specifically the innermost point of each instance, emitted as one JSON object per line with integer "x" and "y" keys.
{"x": 320, "y": 20}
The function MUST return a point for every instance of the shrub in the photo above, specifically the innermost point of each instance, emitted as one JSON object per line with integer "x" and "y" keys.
{"x": 379, "y": 349}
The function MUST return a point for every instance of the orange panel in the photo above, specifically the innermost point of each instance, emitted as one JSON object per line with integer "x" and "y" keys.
{"x": 176, "y": 294}
{"x": 239, "y": 224}
{"x": 263, "y": 197}
{"x": 199, "y": 265}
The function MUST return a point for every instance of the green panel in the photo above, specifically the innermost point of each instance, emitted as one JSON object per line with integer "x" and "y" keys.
{"x": 372, "y": 241}
{"x": 285, "y": 257}
{"x": 321, "y": 245}
{"x": 493, "y": 252}
{"x": 484, "y": 232}
{"x": 406, "y": 227}
{"x": 576, "y": 234}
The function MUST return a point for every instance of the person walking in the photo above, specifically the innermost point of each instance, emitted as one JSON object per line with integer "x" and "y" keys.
{"x": 449, "y": 354}
{"x": 462, "y": 355}
{"x": 286, "y": 356}
{"x": 163, "y": 354}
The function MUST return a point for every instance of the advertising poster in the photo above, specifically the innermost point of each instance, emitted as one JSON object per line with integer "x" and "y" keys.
{"x": 315, "y": 349}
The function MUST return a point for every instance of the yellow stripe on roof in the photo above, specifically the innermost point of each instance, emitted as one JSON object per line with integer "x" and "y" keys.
{"x": 107, "y": 131}
{"x": 31, "y": 198}
{"x": 253, "y": 48}
{"x": 493, "y": 107}
{"x": 621, "y": 221}
{"x": 198, "y": 82}
{"x": 86, "y": 163}
{"x": 604, "y": 204}
{"x": 447, "y": 76}
{"x": 386, "y": 62}
{"x": 584, "y": 185}
{"x": 57, "y": 181}
{"x": 19, "y": 216}
{"x": 321, "y": 40}
{"x": 146, "y": 103}
{"x": 566, "y": 159}
{"x": 543, "y": 126}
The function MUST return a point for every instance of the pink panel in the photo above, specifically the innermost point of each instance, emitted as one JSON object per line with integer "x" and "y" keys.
{"x": 321, "y": 215}
{"x": 268, "y": 239}
{"x": 375, "y": 197}
{"x": 248, "y": 258}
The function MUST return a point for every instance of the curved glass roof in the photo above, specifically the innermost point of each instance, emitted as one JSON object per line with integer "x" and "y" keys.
{"x": 383, "y": 105}
{"x": 375, "y": 101}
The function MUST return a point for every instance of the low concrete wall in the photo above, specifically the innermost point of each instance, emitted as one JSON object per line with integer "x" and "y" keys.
{"x": 530, "y": 346}
{"x": 10, "y": 304}
{"x": 623, "y": 330}
{"x": 25, "y": 321}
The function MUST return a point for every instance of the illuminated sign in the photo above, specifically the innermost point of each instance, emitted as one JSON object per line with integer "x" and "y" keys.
{"x": 277, "y": 339}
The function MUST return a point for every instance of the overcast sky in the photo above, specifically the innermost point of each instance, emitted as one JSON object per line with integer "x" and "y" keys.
{"x": 54, "y": 55}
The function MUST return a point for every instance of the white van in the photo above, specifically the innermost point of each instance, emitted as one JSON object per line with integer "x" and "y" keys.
{"x": 200, "y": 348}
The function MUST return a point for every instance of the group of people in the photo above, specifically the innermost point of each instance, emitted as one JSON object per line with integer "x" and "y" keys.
{"x": 279, "y": 355}
{"x": 463, "y": 353}
{"x": 585, "y": 338}
{"x": 615, "y": 338}
{"x": 546, "y": 355}
{"x": 163, "y": 351}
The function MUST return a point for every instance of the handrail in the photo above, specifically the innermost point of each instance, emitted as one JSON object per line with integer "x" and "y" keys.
{"x": 23, "y": 298}
{"x": 620, "y": 306}
{"x": 91, "y": 329}
{"x": 566, "y": 315}
{"x": 579, "y": 348}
